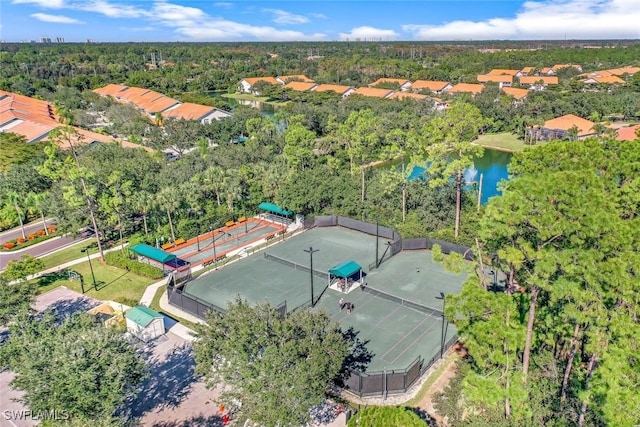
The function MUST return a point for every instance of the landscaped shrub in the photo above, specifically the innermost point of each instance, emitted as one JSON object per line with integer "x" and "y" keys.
{"x": 41, "y": 233}
{"x": 32, "y": 236}
{"x": 9, "y": 245}
{"x": 52, "y": 228}
{"x": 121, "y": 260}
{"x": 21, "y": 240}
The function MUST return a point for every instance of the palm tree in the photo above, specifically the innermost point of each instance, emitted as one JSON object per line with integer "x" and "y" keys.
{"x": 143, "y": 203}
{"x": 38, "y": 201}
{"x": 212, "y": 179}
{"x": 168, "y": 199}
{"x": 232, "y": 188}
{"x": 14, "y": 198}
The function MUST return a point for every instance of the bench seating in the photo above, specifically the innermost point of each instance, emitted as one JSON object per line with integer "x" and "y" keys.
{"x": 270, "y": 236}
{"x": 180, "y": 241}
{"x": 242, "y": 219}
{"x": 229, "y": 223}
{"x": 167, "y": 246}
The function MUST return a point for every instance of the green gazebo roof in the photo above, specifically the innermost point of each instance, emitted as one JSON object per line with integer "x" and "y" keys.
{"x": 346, "y": 269}
{"x": 152, "y": 253}
{"x": 274, "y": 208}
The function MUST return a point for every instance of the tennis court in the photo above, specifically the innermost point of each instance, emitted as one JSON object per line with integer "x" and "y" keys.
{"x": 219, "y": 242}
{"x": 396, "y": 314}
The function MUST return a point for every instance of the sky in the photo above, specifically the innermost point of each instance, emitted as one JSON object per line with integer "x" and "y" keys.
{"x": 207, "y": 20}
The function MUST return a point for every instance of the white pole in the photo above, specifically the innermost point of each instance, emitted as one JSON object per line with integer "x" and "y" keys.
{"x": 479, "y": 192}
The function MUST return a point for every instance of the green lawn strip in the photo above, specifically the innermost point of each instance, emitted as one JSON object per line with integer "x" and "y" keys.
{"x": 155, "y": 304}
{"x": 435, "y": 375}
{"x": 114, "y": 284}
{"x": 503, "y": 141}
{"x": 68, "y": 254}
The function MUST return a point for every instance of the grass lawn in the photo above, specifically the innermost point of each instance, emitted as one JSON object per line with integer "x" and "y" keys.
{"x": 68, "y": 254}
{"x": 155, "y": 304}
{"x": 113, "y": 283}
{"x": 502, "y": 141}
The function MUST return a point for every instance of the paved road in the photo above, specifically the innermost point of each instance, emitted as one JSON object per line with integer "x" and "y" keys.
{"x": 32, "y": 227}
{"x": 39, "y": 250}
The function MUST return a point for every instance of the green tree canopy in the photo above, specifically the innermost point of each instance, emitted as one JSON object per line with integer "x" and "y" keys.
{"x": 276, "y": 369}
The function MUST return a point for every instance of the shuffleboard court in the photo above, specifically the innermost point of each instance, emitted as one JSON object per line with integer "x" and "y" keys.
{"x": 394, "y": 331}
{"x": 225, "y": 239}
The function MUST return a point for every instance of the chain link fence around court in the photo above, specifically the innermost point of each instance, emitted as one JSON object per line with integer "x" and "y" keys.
{"x": 383, "y": 383}
{"x": 296, "y": 266}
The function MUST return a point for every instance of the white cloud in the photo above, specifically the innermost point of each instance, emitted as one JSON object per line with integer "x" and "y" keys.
{"x": 223, "y": 4}
{"x": 58, "y": 19}
{"x": 221, "y": 29}
{"x": 318, "y": 15}
{"x": 112, "y": 10}
{"x": 284, "y": 17}
{"x": 548, "y": 19}
{"x": 369, "y": 33}
{"x": 51, "y": 4}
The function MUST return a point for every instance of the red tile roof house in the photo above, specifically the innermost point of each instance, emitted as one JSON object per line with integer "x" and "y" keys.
{"x": 503, "y": 80}
{"x": 538, "y": 82}
{"x": 560, "y": 128}
{"x": 373, "y": 92}
{"x": 403, "y": 84}
{"x": 35, "y": 119}
{"x": 434, "y": 86}
{"x": 339, "y": 89}
{"x": 630, "y": 133}
{"x": 152, "y": 103}
{"x": 188, "y": 111}
{"x": 300, "y": 86}
{"x": 283, "y": 80}
{"x": 471, "y": 88}
{"x": 246, "y": 85}
{"x": 518, "y": 94}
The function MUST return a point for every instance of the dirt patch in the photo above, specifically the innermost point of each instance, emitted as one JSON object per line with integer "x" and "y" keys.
{"x": 426, "y": 403}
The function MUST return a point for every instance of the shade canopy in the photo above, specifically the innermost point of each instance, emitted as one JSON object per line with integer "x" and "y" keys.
{"x": 274, "y": 208}
{"x": 346, "y": 269}
{"x": 152, "y": 253}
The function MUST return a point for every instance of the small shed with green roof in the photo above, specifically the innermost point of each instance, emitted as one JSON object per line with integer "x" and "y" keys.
{"x": 144, "y": 323}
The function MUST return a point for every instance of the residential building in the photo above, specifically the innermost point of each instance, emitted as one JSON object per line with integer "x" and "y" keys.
{"x": 189, "y": 111}
{"x": 608, "y": 80}
{"x": 300, "y": 86}
{"x": 434, "y": 86}
{"x": 339, "y": 89}
{"x": 546, "y": 71}
{"x": 373, "y": 92}
{"x": 518, "y": 94}
{"x": 561, "y": 128}
{"x": 283, "y": 80}
{"x": 503, "y": 72}
{"x": 403, "y": 84}
{"x": 525, "y": 71}
{"x": 471, "y": 88}
{"x": 154, "y": 103}
{"x": 503, "y": 80}
{"x": 629, "y": 133}
{"x": 247, "y": 85}
{"x": 538, "y": 82}
{"x": 35, "y": 119}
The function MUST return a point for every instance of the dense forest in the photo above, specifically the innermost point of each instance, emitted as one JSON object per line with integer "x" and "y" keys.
{"x": 555, "y": 346}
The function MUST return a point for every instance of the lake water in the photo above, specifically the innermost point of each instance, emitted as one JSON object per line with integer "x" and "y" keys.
{"x": 493, "y": 167}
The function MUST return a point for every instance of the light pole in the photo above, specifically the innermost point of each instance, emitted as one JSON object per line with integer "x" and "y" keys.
{"x": 377, "y": 238}
{"x": 442, "y": 297}
{"x": 310, "y": 251}
{"x": 93, "y": 277}
{"x": 198, "y": 230}
{"x": 213, "y": 242}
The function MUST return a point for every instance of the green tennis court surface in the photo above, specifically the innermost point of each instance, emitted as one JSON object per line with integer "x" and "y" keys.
{"x": 395, "y": 333}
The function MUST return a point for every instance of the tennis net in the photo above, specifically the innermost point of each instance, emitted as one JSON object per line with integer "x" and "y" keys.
{"x": 404, "y": 302}
{"x": 295, "y": 265}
